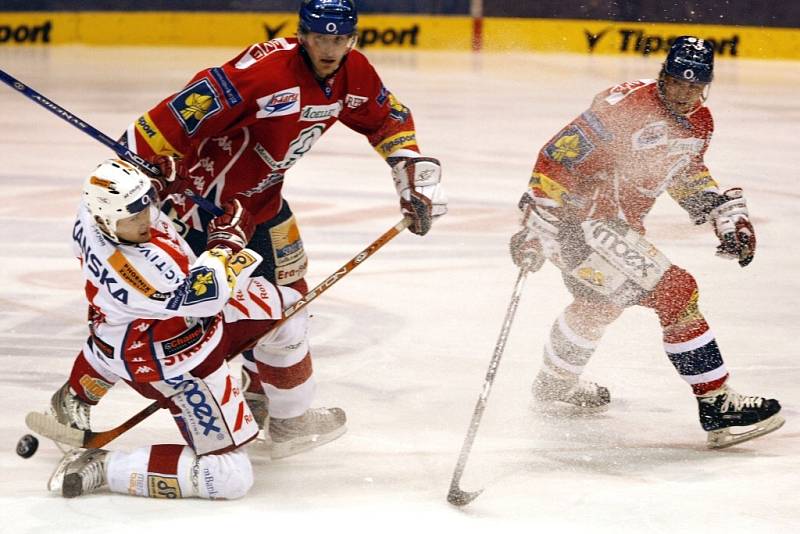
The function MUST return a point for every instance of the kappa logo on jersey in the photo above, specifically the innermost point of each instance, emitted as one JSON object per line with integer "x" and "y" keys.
{"x": 259, "y": 51}
{"x": 320, "y": 113}
{"x": 571, "y": 147}
{"x": 286, "y": 102}
{"x": 195, "y": 104}
{"x": 355, "y": 101}
{"x": 200, "y": 286}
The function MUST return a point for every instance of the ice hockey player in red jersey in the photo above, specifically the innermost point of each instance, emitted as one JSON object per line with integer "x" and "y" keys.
{"x": 591, "y": 188}
{"x": 165, "y": 322}
{"x": 235, "y": 130}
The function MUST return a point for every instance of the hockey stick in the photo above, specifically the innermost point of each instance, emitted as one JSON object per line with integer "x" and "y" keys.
{"x": 121, "y": 150}
{"x": 46, "y": 425}
{"x": 456, "y": 495}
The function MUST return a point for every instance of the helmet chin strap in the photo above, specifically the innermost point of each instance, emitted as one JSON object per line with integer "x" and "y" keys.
{"x": 662, "y": 94}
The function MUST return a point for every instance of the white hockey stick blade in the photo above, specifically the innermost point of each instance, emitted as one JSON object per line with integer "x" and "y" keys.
{"x": 720, "y": 439}
{"x": 48, "y": 426}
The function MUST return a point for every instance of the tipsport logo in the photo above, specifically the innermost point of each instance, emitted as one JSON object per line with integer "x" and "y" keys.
{"x": 632, "y": 40}
{"x": 25, "y": 33}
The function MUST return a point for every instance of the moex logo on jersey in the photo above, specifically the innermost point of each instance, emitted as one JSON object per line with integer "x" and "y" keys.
{"x": 25, "y": 33}
{"x": 638, "y": 41}
{"x": 617, "y": 248}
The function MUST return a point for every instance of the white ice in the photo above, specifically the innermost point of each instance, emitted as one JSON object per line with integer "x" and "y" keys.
{"x": 403, "y": 343}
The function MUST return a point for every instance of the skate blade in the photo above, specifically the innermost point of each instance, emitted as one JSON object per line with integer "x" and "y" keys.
{"x": 304, "y": 443}
{"x": 48, "y": 426}
{"x": 723, "y": 438}
{"x": 56, "y": 481}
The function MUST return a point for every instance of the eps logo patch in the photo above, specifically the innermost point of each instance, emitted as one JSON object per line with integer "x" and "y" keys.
{"x": 200, "y": 286}
{"x": 195, "y": 104}
{"x": 570, "y": 148}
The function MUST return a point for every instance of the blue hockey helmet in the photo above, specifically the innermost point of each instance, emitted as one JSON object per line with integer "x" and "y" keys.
{"x": 333, "y": 17}
{"x": 690, "y": 59}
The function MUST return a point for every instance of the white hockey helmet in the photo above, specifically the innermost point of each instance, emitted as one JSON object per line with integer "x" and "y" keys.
{"x": 116, "y": 190}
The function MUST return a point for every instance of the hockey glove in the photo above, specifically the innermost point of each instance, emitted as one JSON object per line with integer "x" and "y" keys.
{"x": 421, "y": 196}
{"x": 526, "y": 251}
{"x": 232, "y": 230}
{"x": 733, "y": 228}
{"x": 173, "y": 176}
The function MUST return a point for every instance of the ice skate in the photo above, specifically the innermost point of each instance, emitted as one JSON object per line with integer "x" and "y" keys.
{"x": 66, "y": 422}
{"x": 314, "y": 428}
{"x": 69, "y": 409}
{"x": 731, "y": 418}
{"x": 80, "y": 471}
{"x": 560, "y": 395}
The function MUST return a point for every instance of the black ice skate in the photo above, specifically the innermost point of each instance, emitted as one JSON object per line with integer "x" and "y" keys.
{"x": 315, "y": 427}
{"x": 81, "y": 471}
{"x": 724, "y": 410}
{"x": 559, "y": 395}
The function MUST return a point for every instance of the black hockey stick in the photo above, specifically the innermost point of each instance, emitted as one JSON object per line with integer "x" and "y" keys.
{"x": 46, "y": 425}
{"x": 456, "y": 496}
{"x": 121, "y": 150}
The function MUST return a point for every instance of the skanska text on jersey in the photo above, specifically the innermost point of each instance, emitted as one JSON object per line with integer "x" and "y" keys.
{"x": 95, "y": 266}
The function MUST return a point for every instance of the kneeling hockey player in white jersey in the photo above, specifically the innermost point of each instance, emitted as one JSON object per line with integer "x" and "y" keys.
{"x": 165, "y": 322}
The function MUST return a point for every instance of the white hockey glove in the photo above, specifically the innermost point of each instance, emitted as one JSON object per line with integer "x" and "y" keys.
{"x": 733, "y": 228}
{"x": 537, "y": 239}
{"x": 421, "y": 196}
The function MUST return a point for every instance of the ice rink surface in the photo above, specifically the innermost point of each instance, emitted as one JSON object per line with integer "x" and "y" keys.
{"x": 403, "y": 343}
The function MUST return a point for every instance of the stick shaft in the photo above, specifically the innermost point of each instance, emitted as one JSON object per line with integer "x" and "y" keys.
{"x": 121, "y": 150}
{"x": 480, "y": 406}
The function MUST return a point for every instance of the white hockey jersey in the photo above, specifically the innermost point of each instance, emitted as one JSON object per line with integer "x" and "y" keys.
{"x": 154, "y": 308}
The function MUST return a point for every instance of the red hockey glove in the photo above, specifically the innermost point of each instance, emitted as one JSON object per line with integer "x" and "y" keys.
{"x": 173, "y": 177}
{"x": 733, "y": 228}
{"x": 421, "y": 196}
{"x": 232, "y": 230}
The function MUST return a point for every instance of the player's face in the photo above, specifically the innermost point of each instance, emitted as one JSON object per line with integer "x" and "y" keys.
{"x": 326, "y": 51}
{"x": 136, "y": 228}
{"x": 682, "y": 96}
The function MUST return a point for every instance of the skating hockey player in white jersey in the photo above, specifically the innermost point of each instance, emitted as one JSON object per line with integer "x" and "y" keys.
{"x": 165, "y": 322}
{"x": 592, "y": 186}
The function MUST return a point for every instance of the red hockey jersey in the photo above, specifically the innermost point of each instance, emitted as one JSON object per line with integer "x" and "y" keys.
{"x": 241, "y": 126}
{"x": 617, "y": 157}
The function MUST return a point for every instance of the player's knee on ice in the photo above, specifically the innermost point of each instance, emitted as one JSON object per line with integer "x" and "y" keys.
{"x": 224, "y": 476}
